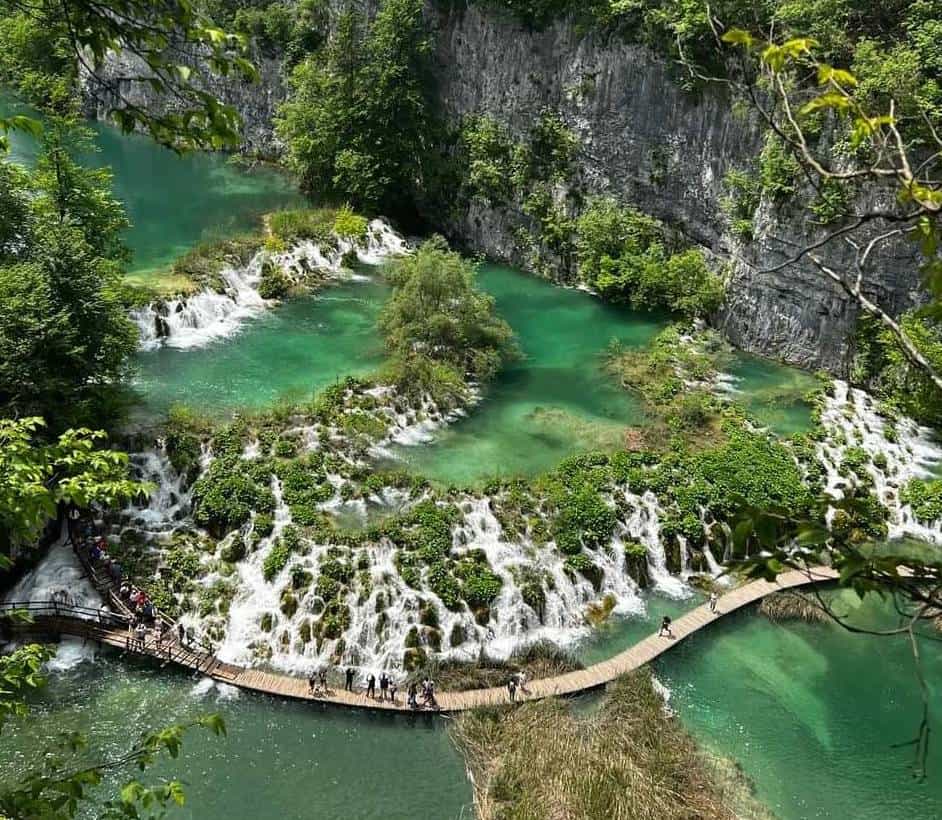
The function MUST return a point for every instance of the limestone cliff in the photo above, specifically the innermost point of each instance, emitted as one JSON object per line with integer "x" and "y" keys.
{"x": 646, "y": 141}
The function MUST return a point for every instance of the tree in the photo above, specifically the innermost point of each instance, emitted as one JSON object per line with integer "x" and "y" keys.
{"x": 358, "y": 120}
{"x": 837, "y": 131}
{"x": 65, "y": 338}
{"x": 35, "y": 477}
{"x": 436, "y": 312}
{"x": 837, "y": 138}
{"x": 51, "y": 46}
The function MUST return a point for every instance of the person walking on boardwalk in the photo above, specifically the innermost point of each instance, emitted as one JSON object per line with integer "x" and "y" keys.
{"x": 665, "y": 629}
{"x": 348, "y": 684}
{"x": 322, "y": 680}
{"x": 522, "y": 681}
{"x": 413, "y": 696}
{"x": 713, "y": 599}
{"x": 383, "y": 686}
{"x": 312, "y": 683}
{"x": 181, "y": 634}
{"x": 512, "y": 688}
{"x": 393, "y": 688}
{"x": 430, "y": 695}
{"x": 371, "y": 685}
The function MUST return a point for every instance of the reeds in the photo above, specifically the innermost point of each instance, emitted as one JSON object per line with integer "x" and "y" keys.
{"x": 789, "y": 605}
{"x": 629, "y": 760}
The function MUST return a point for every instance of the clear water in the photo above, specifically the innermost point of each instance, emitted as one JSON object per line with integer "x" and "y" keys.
{"x": 173, "y": 201}
{"x": 280, "y": 759}
{"x": 810, "y": 712}
{"x": 302, "y": 346}
{"x": 554, "y": 401}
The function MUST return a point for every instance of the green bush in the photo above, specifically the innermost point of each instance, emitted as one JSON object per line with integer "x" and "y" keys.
{"x": 224, "y": 497}
{"x": 436, "y": 311}
{"x": 274, "y": 282}
{"x": 290, "y": 226}
{"x": 925, "y": 497}
{"x": 350, "y": 225}
{"x": 628, "y": 256}
{"x": 444, "y": 585}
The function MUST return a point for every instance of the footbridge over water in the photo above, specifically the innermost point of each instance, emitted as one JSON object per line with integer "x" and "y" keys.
{"x": 110, "y": 628}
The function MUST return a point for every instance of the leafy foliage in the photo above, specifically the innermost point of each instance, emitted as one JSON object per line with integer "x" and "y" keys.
{"x": 35, "y": 477}
{"x": 63, "y": 328}
{"x": 629, "y": 256}
{"x": 358, "y": 117}
{"x": 45, "y": 43}
{"x": 436, "y": 313}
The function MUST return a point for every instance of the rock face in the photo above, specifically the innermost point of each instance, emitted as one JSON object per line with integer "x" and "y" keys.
{"x": 648, "y": 142}
{"x": 257, "y": 102}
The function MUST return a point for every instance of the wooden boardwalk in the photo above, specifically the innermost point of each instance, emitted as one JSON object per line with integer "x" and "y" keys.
{"x": 57, "y": 619}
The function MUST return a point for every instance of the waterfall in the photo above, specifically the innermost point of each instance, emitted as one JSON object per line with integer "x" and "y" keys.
{"x": 644, "y": 526}
{"x": 255, "y": 596}
{"x": 193, "y": 321}
{"x": 851, "y": 420}
{"x": 59, "y": 576}
{"x": 168, "y": 504}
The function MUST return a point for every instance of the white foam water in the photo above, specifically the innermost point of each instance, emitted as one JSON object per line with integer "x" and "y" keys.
{"x": 850, "y": 419}
{"x": 194, "y": 321}
{"x": 58, "y": 577}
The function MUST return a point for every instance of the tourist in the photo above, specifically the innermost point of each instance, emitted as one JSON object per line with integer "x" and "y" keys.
{"x": 140, "y": 635}
{"x": 125, "y": 591}
{"x": 430, "y": 699}
{"x": 522, "y": 682}
{"x": 159, "y": 632}
{"x": 383, "y": 686}
{"x": 412, "y": 697}
{"x": 181, "y": 634}
{"x": 393, "y": 688}
{"x": 713, "y": 599}
{"x": 312, "y": 683}
{"x": 512, "y": 688}
{"x": 115, "y": 570}
{"x": 371, "y": 685}
{"x": 665, "y": 627}
{"x": 348, "y": 685}
{"x": 322, "y": 680}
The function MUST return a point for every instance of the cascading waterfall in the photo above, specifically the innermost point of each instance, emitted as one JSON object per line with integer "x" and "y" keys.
{"x": 644, "y": 526}
{"x": 58, "y": 577}
{"x": 386, "y": 616}
{"x": 851, "y": 420}
{"x": 169, "y": 503}
{"x": 193, "y": 321}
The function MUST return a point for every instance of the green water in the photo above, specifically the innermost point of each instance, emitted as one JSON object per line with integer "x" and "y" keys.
{"x": 554, "y": 401}
{"x": 773, "y": 393}
{"x": 809, "y": 711}
{"x": 173, "y": 201}
{"x": 290, "y": 352}
{"x": 280, "y": 759}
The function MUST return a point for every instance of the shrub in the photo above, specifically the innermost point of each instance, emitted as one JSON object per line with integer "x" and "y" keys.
{"x": 925, "y": 497}
{"x": 350, "y": 225}
{"x": 274, "y": 282}
{"x": 437, "y": 312}
{"x": 628, "y": 256}
{"x": 444, "y": 585}
{"x": 224, "y": 498}
{"x": 290, "y": 226}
